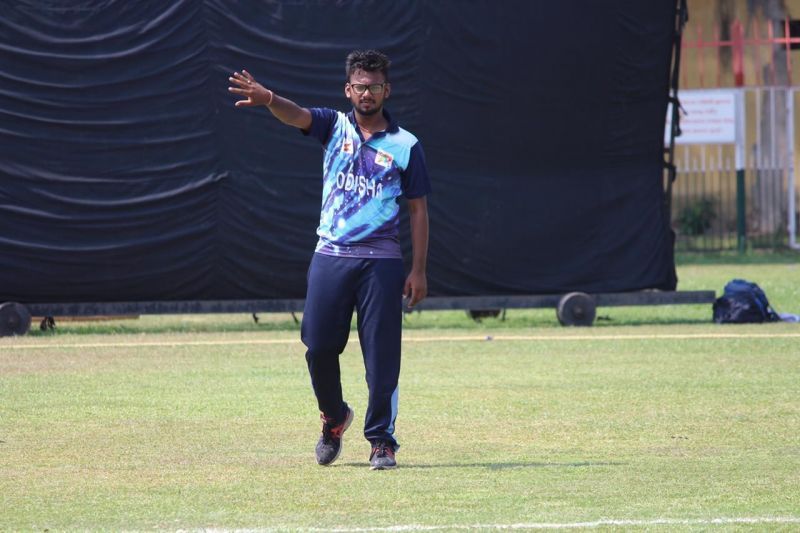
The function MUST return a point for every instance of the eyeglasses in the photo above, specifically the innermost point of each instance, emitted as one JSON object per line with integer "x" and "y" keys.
{"x": 374, "y": 88}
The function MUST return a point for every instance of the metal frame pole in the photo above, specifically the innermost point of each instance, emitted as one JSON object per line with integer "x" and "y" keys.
{"x": 681, "y": 17}
{"x": 741, "y": 212}
{"x": 792, "y": 226}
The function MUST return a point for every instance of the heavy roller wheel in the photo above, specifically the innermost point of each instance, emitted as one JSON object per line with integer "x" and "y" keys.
{"x": 576, "y": 309}
{"x": 15, "y": 319}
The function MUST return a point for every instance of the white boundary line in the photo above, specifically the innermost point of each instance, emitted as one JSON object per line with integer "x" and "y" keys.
{"x": 665, "y": 336}
{"x": 540, "y": 525}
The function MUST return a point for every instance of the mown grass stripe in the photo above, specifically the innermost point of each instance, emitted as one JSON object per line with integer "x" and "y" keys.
{"x": 465, "y": 338}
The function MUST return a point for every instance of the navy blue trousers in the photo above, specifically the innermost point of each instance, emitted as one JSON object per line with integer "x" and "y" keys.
{"x": 374, "y": 288}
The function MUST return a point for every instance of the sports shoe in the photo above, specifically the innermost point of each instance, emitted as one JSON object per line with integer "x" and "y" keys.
{"x": 382, "y": 456}
{"x": 329, "y": 445}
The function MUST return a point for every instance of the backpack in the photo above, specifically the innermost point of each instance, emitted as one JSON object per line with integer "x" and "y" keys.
{"x": 743, "y": 302}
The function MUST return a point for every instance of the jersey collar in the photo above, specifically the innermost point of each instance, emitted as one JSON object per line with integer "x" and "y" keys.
{"x": 393, "y": 127}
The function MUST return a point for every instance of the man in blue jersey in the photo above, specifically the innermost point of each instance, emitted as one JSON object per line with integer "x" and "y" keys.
{"x": 369, "y": 164}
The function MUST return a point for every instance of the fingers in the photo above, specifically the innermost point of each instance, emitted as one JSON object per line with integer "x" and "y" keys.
{"x": 246, "y": 85}
{"x": 415, "y": 290}
{"x": 243, "y": 79}
{"x": 241, "y": 75}
{"x": 407, "y": 293}
{"x": 416, "y": 297}
{"x": 240, "y": 80}
{"x": 245, "y": 89}
{"x": 418, "y": 293}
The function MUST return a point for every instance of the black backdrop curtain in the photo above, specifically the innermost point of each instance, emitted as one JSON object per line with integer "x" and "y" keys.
{"x": 127, "y": 174}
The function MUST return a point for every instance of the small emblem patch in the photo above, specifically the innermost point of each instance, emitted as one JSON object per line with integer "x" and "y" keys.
{"x": 347, "y": 146}
{"x": 383, "y": 159}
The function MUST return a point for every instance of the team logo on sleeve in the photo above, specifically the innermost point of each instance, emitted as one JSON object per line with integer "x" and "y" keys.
{"x": 347, "y": 146}
{"x": 383, "y": 159}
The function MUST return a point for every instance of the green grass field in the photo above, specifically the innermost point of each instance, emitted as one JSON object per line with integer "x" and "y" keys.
{"x": 655, "y": 418}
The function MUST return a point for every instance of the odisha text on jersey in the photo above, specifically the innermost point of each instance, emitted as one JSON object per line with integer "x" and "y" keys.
{"x": 361, "y": 184}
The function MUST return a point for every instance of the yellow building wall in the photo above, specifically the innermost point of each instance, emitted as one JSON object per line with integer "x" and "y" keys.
{"x": 701, "y": 67}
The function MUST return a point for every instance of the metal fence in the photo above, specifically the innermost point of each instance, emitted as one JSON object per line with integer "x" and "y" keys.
{"x": 740, "y": 195}
{"x": 724, "y": 202}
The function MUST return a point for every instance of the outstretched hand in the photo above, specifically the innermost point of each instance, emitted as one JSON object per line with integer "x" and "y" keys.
{"x": 253, "y": 92}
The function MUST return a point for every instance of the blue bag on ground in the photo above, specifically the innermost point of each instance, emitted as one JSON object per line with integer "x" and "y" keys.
{"x": 743, "y": 302}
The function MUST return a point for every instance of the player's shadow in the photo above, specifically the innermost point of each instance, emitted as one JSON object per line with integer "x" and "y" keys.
{"x": 501, "y": 466}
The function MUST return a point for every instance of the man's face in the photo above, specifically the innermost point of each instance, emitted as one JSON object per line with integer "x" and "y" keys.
{"x": 367, "y": 102}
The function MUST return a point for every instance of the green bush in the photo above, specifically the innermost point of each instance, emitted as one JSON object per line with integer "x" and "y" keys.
{"x": 696, "y": 218}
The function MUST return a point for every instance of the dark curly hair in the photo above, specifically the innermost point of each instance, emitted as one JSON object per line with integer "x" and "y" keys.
{"x": 368, "y": 61}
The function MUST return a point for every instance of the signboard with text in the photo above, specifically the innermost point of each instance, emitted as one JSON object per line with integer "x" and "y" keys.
{"x": 706, "y": 117}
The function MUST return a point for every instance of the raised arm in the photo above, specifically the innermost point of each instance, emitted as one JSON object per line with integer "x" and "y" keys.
{"x": 256, "y": 94}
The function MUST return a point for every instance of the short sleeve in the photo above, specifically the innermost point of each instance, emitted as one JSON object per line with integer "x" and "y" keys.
{"x": 415, "y": 181}
{"x": 322, "y": 122}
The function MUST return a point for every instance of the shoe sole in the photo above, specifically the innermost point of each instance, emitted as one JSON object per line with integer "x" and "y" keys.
{"x": 347, "y": 421}
{"x": 383, "y": 467}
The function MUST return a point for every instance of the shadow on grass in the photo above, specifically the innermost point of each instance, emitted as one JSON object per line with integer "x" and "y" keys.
{"x": 603, "y": 321}
{"x": 71, "y": 328}
{"x": 498, "y": 466}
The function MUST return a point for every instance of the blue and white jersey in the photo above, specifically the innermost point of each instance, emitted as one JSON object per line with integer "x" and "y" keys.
{"x": 362, "y": 183}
